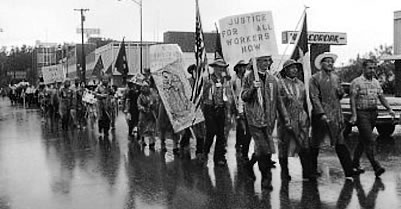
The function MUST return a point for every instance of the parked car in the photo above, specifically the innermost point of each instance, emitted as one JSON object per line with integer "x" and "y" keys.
{"x": 385, "y": 125}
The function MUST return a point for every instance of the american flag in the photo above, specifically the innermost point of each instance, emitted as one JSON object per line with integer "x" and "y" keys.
{"x": 201, "y": 60}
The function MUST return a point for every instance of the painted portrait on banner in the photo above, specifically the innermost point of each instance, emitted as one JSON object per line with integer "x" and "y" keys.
{"x": 168, "y": 71}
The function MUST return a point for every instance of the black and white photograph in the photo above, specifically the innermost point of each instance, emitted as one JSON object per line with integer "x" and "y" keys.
{"x": 203, "y": 104}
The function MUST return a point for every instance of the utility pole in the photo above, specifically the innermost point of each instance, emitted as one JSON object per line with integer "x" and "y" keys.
{"x": 83, "y": 63}
{"x": 140, "y": 7}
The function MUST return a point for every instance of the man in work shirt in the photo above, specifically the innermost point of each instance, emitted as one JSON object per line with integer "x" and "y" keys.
{"x": 243, "y": 136}
{"x": 365, "y": 91}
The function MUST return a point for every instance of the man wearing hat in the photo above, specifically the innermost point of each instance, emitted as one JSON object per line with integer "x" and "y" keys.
{"x": 214, "y": 110}
{"x": 327, "y": 118}
{"x": 293, "y": 94}
{"x": 104, "y": 94}
{"x": 243, "y": 136}
{"x": 198, "y": 129}
{"x": 131, "y": 103}
{"x": 262, "y": 117}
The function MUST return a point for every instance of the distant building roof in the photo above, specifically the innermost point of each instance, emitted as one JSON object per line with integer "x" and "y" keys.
{"x": 186, "y": 40}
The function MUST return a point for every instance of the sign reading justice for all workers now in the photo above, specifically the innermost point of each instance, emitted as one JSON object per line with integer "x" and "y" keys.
{"x": 52, "y": 74}
{"x": 247, "y": 35}
{"x": 167, "y": 68}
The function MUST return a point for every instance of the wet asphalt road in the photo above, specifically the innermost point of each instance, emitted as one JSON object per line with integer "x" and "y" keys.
{"x": 41, "y": 168}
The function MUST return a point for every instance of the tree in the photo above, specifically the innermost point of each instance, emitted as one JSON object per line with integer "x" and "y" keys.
{"x": 384, "y": 72}
{"x": 15, "y": 59}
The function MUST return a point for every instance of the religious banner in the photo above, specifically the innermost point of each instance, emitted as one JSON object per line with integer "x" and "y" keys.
{"x": 167, "y": 68}
{"x": 247, "y": 35}
{"x": 53, "y": 73}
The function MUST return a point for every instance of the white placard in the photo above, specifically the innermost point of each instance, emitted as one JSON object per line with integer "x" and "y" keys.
{"x": 164, "y": 54}
{"x": 53, "y": 73}
{"x": 247, "y": 35}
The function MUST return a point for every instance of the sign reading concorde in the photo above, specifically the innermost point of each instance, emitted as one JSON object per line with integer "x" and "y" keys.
{"x": 247, "y": 35}
{"x": 330, "y": 38}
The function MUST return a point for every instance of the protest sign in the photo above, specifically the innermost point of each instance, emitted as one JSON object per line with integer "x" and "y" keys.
{"x": 175, "y": 91}
{"x": 247, "y": 35}
{"x": 89, "y": 97}
{"x": 53, "y": 73}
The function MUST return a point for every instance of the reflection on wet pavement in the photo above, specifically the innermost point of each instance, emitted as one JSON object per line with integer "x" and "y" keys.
{"x": 41, "y": 167}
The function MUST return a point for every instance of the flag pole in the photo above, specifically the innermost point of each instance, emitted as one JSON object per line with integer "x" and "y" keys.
{"x": 256, "y": 74}
{"x": 289, "y": 42}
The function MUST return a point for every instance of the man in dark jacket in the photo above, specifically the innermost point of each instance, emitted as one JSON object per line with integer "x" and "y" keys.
{"x": 131, "y": 105}
{"x": 262, "y": 102}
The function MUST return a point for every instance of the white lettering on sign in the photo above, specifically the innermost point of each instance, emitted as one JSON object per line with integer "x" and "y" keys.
{"x": 247, "y": 35}
{"x": 316, "y": 38}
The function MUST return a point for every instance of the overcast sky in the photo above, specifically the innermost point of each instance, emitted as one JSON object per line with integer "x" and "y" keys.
{"x": 368, "y": 23}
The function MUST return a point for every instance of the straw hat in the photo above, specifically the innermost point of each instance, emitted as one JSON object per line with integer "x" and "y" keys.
{"x": 320, "y": 57}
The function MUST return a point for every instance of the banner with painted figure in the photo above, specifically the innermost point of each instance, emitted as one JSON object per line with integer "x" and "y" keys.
{"x": 167, "y": 68}
{"x": 247, "y": 35}
{"x": 53, "y": 73}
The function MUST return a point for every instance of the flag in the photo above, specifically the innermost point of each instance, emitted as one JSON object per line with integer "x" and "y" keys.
{"x": 109, "y": 70}
{"x": 121, "y": 61}
{"x": 301, "y": 54}
{"x": 98, "y": 67}
{"x": 219, "y": 50}
{"x": 200, "y": 56}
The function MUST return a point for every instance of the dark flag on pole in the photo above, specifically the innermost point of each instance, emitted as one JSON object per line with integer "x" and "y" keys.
{"x": 301, "y": 54}
{"x": 97, "y": 70}
{"x": 219, "y": 50}
{"x": 301, "y": 47}
{"x": 121, "y": 62}
{"x": 200, "y": 56}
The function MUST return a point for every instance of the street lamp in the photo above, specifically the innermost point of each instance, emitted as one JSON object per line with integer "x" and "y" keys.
{"x": 139, "y": 2}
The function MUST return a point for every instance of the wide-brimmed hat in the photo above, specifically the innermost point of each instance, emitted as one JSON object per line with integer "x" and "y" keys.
{"x": 239, "y": 64}
{"x": 289, "y": 63}
{"x": 219, "y": 62}
{"x": 322, "y": 56}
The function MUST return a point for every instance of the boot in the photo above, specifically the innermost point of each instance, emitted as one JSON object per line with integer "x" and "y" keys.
{"x": 253, "y": 159}
{"x": 271, "y": 162}
{"x": 264, "y": 168}
{"x": 314, "y": 153}
{"x": 249, "y": 167}
{"x": 285, "y": 174}
{"x": 345, "y": 160}
{"x": 305, "y": 159}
